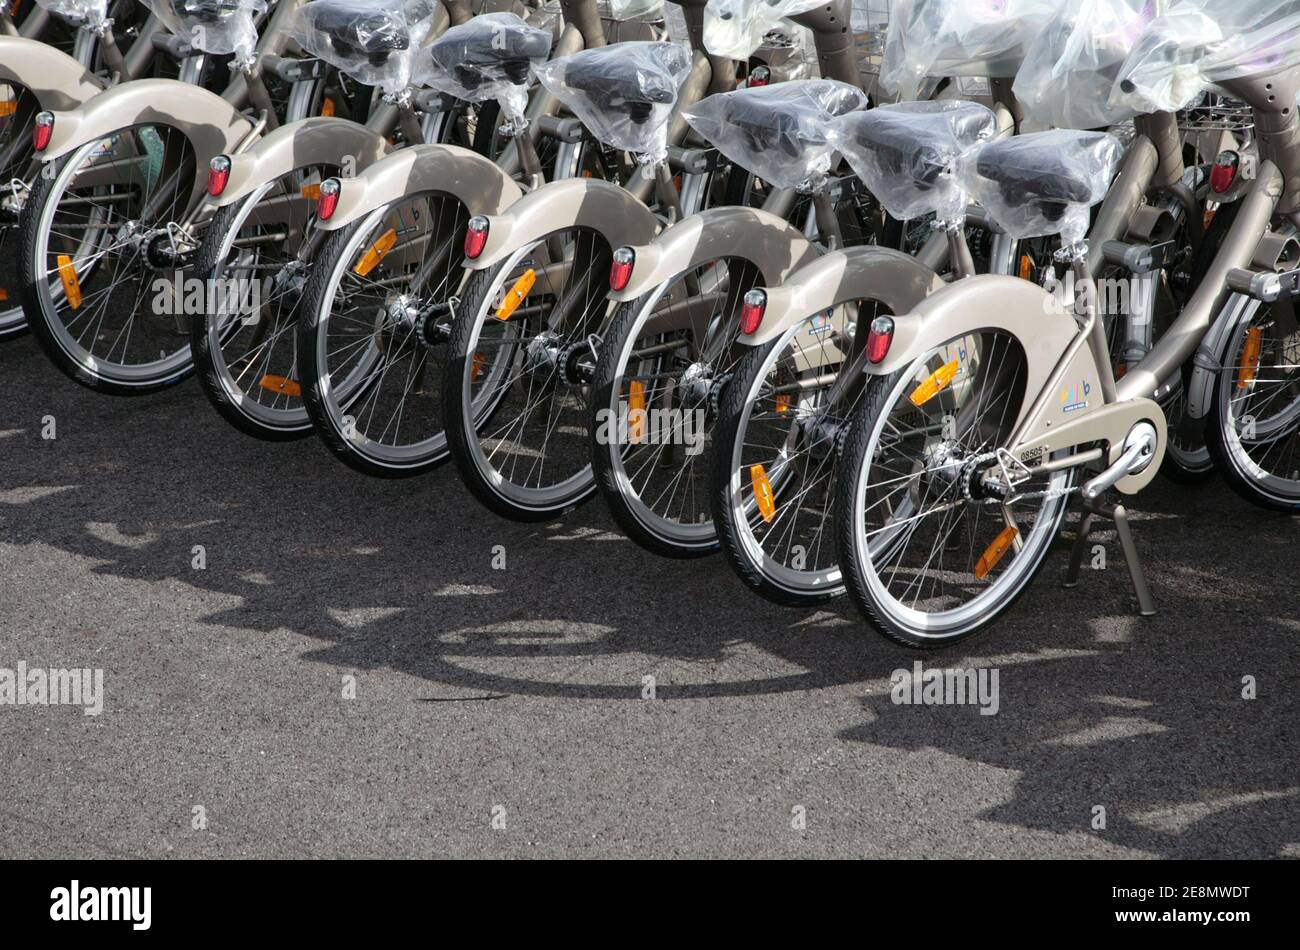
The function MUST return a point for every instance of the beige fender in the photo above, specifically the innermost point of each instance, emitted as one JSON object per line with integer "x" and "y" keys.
{"x": 476, "y": 182}
{"x": 211, "y": 124}
{"x": 605, "y": 208}
{"x": 318, "y": 140}
{"x": 58, "y": 81}
{"x": 896, "y": 280}
{"x": 770, "y": 243}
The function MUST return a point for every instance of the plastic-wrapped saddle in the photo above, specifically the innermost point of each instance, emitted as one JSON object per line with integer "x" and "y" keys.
{"x": 90, "y": 12}
{"x": 1201, "y": 43}
{"x": 735, "y": 28}
{"x": 212, "y": 26}
{"x": 490, "y": 57}
{"x": 373, "y": 41}
{"x": 936, "y": 38}
{"x": 1042, "y": 183}
{"x": 778, "y": 132}
{"x": 624, "y": 94}
{"x": 1071, "y": 67}
{"x": 907, "y": 154}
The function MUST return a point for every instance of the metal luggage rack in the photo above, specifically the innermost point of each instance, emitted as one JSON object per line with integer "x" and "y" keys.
{"x": 1217, "y": 114}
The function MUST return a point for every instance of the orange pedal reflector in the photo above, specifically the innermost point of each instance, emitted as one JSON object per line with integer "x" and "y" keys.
{"x": 636, "y": 412}
{"x": 311, "y": 192}
{"x": 281, "y": 384}
{"x": 1026, "y": 271}
{"x": 1250, "y": 351}
{"x": 71, "y": 286}
{"x": 995, "y": 552}
{"x": 1120, "y": 370}
{"x": 763, "y": 492}
{"x": 783, "y": 402}
{"x": 476, "y": 370}
{"x": 327, "y": 107}
{"x": 370, "y": 260}
{"x": 516, "y": 294}
{"x": 8, "y": 107}
{"x": 934, "y": 383}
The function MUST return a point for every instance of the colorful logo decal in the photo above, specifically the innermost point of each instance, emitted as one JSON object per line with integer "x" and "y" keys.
{"x": 1076, "y": 397}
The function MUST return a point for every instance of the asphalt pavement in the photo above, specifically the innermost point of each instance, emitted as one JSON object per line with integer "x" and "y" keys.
{"x": 301, "y": 661}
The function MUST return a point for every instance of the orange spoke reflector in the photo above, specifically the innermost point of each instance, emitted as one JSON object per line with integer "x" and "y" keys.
{"x": 370, "y": 260}
{"x": 1249, "y": 368}
{"x": 327, "y": 107}
{"x": 8, "y": 107}
{"x": 1026, "y": 267}
{"x": 636, "y": 412}
{"x": 311, "y": 192}
{"x": 995, "y": 552}
{"x": 480, "y": 363}
{"x": 4, "y": 295}
{"x": 281, "y": 384}
{"x": 763, "y": 492}
{"x": 516, "y": 294}
{"x": 934, "y": 383}
{"x": 783, "y": 402}
{"x": 1208, "y": 218}
{"x": 1120, "y": 370}
{"x": 71, "y": 286}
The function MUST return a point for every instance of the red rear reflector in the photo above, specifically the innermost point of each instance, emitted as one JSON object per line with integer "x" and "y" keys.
{"x": 1224, "y": 172}
{"x": 218, "y": 175}
{"x": 476, "y": 236}
{"x": 620, "y": 271}
{"x": 751, "y": 311}
{"x": 329, "y": 198}
{"x": 879, "y": 336}
{"x": 42, "y": 131}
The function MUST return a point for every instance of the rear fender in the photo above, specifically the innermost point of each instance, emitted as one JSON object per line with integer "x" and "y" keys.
{"x": 58, "y": 81}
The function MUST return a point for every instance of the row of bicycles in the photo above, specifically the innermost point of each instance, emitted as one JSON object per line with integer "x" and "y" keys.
{"x": 863, "y": 297}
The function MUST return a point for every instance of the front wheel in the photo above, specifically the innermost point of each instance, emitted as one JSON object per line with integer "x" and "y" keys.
{"x": 934, "y": 540}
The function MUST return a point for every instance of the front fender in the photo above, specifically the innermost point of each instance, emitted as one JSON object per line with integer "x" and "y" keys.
{"x": 605, "y": 208}
{"x": 318, "y": 140}
{"x": 768, "y": 242}
{"x": 895, "y": 280}
{"x": 211, "y": 124}
{"x": 58, "y": 81}
{"x": 476, "y": 182}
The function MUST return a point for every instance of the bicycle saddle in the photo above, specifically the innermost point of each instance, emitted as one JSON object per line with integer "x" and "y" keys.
{"x": 207, "y": 12}
{"x": 618, "y": 81}
{"x": 787, "y": 118}
{"x": 917, "y": 140}
{"x": 489, "y": 48}
{"x": 1051, "y": 170}
{"x": 371, "y": 36}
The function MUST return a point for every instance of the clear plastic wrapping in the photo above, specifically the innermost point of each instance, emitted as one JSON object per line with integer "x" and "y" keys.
{"x": 90, "y": 12}
{"x": 778, "y": 132}
{"x": 1200, "y": 43}
{"x": 635, "y": 9}
{"x": 735, "y": 28}
{"x": 1073, "y": 64}
{"x": 212, "y": 26}
{"x": 624, "y": 94}
{"x": 907, "y": 154}
{"x": 373, "y": 41}
{"x": 932, "y": 38}
{"x": 493, "y": 56}
{"x": 1042, "y": 183}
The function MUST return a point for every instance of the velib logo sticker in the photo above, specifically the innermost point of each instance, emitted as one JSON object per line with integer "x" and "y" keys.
{"x": 134, "y": 904}
{"x": 1076, "y": 397}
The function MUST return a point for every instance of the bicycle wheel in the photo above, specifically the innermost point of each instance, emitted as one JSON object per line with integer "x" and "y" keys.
{"x": 665, "y": 362}
{"x": 1254, "y": 432}
{"x": 518, "y": 383}
{"x": 94, "y": 248}
{"x": 934, "y": 540}
{"x": 18, "y": 108}
{"x": 776, "y": 459}
{"x": 368, "y": 335}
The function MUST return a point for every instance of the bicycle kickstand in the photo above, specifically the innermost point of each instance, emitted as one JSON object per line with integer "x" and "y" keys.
{"x": 1119, "y": 515}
